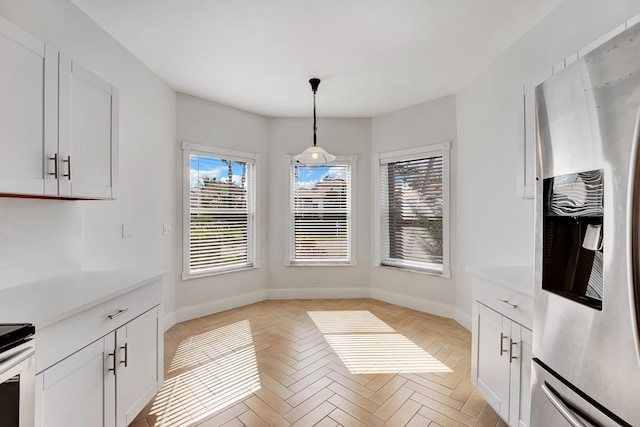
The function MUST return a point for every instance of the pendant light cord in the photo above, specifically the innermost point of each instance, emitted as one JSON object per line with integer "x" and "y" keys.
{"x": 315, "y": 82}
{"x": 314, "y": 118}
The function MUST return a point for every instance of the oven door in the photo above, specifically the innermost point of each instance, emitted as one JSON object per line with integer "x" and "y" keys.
{"x": 17, "y": 386}
{"x": 557, "y": 403}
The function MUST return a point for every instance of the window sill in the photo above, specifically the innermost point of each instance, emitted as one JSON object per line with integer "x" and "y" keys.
{"x": 320, "y": 264}
{"x": 189, "y": 276}
{"x": 444, "y": 275}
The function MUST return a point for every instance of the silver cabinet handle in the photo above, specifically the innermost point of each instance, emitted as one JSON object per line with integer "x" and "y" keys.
{"x": 68, "y": 162}
{"x": 125, "y": 362}
{"x": 511, "y": 356}
{"x": 55, "y": 165}
{"x": 502, "y": 338}
{"x": 115, "y": 372}
{"x": 16, "y": 359}
{"x": 117, "y": 313}
{"x": 504, "y": 301}
{"x": 566, "y": 412}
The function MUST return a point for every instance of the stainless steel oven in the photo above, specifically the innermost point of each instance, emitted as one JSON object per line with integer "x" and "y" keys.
{"x": 17, "y": 375}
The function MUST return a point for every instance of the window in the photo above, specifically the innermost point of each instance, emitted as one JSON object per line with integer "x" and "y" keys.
{"x": 413, "y": 200}
{"x": 219, "y": 210}
{"x": 321, "y": 214}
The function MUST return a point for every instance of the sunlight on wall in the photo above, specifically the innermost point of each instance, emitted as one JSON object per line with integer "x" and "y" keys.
{"x": 212, "y": 371}
{"x": 367, "y": 345}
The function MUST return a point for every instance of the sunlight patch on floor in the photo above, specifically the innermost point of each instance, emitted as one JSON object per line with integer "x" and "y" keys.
{"x": 367, "y": 345}
{"x": 348, "y": 321}
{"x": 211, "y": 344}
{"x": 222, "y": 370}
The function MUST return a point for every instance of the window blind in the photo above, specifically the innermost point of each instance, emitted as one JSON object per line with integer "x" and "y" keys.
{"x": 320, "y": 214}
{"x": 221, "y": 214}
{"x": 412, "y": 213}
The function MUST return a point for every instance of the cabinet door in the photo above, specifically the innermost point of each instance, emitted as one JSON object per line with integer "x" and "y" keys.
{"x": 528, "y": 134}
{"x": 493, "y": 359}
{"x": 87, "y": 145}
{"x": 138, "y": 365}
{"x": 28, "y": 110}
{"x": 80, "y": 390}
{"x": 520, "y": 399}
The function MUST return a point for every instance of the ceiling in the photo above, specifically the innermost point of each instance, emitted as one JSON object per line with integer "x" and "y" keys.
{"x": 373, "y": 56}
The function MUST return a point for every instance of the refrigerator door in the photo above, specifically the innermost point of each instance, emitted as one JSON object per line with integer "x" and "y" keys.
{"x": 587, "y": 119}
{"x": 559, "y": 405}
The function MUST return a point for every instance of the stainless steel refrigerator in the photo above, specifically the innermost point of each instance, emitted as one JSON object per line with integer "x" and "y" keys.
{"x": 586, "y": 368}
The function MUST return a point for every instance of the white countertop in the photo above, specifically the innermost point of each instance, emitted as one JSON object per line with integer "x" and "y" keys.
{"x": 50, "y": 300}
{"x": 517, "y": 277}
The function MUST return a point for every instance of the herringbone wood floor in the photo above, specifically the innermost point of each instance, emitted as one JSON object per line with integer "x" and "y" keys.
{"x": 354, "y": 362}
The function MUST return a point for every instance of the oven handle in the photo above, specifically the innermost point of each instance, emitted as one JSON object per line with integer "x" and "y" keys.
{"x": 16, "y": 359}
{"x": 561, "y": 407}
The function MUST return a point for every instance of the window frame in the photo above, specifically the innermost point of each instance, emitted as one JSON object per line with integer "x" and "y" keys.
{"x": 351, "y": 161}
{"x": 441, "y": 149}
{"x": 189, "y": 148}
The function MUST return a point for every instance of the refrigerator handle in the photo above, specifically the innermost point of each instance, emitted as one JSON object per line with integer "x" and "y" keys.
{"x": 566, "y": 412}
{"x": 633, "y": 245}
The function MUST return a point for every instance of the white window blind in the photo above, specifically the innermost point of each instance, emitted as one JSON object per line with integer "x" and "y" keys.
{"x": 320, "y": 214}
{"x": 220, "y": 235}
{"x": 414, "y": 210}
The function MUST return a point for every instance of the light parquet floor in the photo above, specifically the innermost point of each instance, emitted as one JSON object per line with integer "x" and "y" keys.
{"x": 357, "y": 362}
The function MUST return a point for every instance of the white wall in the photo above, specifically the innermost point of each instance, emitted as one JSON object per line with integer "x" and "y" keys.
{"x": 290, "y": 136}
{"x": 208, "y": 123}
{"x": 494, "y": 226}
{"x": 40, "y": 238}
{"x": 424, "y": 124}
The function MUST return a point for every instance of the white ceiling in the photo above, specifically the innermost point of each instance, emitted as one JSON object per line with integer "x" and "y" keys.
{"x": 373, "y": 56}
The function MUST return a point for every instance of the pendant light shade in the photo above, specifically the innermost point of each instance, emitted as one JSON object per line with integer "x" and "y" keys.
{"x": 314, "y": 155}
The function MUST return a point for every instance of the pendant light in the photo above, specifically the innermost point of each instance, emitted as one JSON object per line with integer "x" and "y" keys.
{"x": 314, "y": 155}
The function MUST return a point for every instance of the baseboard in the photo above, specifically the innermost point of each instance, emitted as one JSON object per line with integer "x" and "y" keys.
{"x": 414, "y": 303}
{"x": 169, "y": 320}
{"x": 193, "y": 312}
{"x": 463, "y": 318}
{"x": 318, "y": 293}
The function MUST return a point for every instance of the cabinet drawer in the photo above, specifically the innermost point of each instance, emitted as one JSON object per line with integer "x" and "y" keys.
{"x": 60, "y": 339}
{"x": 515, "y": 305}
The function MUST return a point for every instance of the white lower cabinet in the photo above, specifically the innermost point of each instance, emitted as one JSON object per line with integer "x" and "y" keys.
{"x": 137, "y": 380}
{"x": 501, "y": 341}
{"x": 106, "y": 383}
{"x": 504, "y": 365}
{"x": 102, "y": 365}
{"x": 78, "y": 391}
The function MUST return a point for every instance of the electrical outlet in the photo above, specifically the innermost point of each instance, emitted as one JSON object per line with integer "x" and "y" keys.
{"x": 126, "y": 231}
{"x": 166, "y": 229}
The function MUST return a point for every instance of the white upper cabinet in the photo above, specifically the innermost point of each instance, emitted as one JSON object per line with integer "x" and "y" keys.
{"x": 58, "y": 122}
{"x": 28, "y": 109}
{"x": 88, "y": 129}
{"x": 527, "y": 133}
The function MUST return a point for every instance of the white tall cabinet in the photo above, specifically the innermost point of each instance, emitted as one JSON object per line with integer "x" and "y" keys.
{"x": 501, "y": 340}
{"x": 58, "y": 122}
